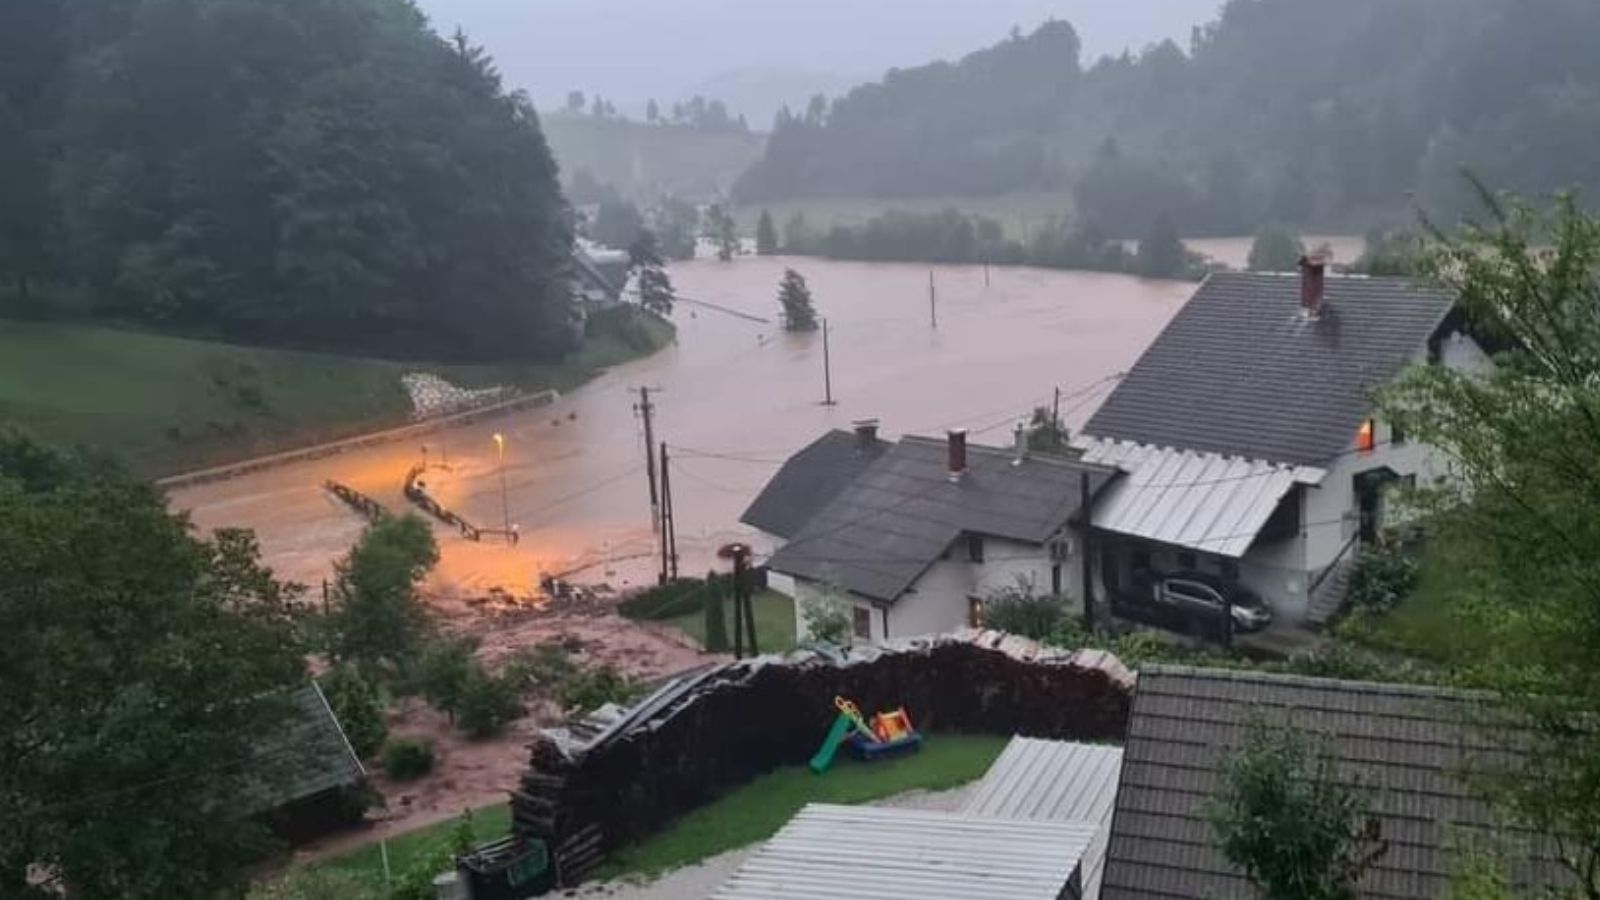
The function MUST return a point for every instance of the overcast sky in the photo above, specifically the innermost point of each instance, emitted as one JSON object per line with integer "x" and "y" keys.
{"x": 630, "y": 50}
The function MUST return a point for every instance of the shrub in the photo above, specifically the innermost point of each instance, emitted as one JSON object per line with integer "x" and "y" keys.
{"x": 408, "y": 759}
{"x": 594, "y": 688}
{"x": 1382, "y": 578}
{"x": 678, "y": 598}
{"x": 358, "y": 706}
{"x": 486, "y": 703}
{"x": 443, "y": 670}
{"x": 1018, "y": 610}
{"x": 545, "y": 668}
{"x": 828, "y": 619}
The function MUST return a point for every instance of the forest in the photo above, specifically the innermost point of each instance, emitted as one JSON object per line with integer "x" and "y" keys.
{"x": 1279, "y": 110}
{"x": 321, "y": 174}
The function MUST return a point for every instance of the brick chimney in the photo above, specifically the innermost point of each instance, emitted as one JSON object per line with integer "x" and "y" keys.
{"x": 866, "y": 434}
{"x": 957, "y": 442}
{"x": 1313, "y": 277}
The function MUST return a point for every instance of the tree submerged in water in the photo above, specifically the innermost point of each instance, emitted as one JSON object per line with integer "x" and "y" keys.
{"x": 656, "y": 293}
{"x": 798, "y": 312}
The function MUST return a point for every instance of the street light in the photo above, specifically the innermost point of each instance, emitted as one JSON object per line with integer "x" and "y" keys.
{"x": 505, "y": 503}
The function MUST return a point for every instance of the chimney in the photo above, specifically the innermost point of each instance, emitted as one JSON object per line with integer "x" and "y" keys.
{"x": 1021, "y": 444}
{"x": 958, "y": 453}
{"x": 1313, "y": 271}
{"x": 866, "y": 434}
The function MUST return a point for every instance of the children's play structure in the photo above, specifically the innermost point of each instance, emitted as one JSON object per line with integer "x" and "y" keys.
{"x": 890, "y": 734}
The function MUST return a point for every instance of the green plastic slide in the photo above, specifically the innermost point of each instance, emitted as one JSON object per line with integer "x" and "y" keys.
{"x": 836, "y": 735}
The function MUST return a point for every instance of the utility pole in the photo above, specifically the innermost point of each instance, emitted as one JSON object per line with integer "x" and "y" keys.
{"x": 1055, "y": 411}
{"x": 1086, "y": 559}
{"x": 646, "y": 410}
{"x": 669, "y": 535}
{"x": 744, "y": 620}
{"x": 933, "y": 301}
{"x": 986, "y": 272}
{"x": 827, "y": 368}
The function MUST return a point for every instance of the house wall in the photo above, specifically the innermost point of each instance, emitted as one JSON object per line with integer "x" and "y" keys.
{"x": 938, "y": 601}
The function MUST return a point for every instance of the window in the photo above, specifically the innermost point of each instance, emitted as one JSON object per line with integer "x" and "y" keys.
{"x": 1366, "y": 438}
{"x": 861, "y": 622}
{"x": 975, "y": 547}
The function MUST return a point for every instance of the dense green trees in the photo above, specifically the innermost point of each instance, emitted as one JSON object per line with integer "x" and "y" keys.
{"x": 722, "y": 231}
{"x": 378, "y": 621}
{"x": 1161, "y": 253}
{"x": 1274, "y": 113}
{"x": 1275, "y": 250}
{"x": 766, "y": 235}
{"x": 327, "y": 173}
{"x": 142, "y": 666}
{"x": 654, "y": 285}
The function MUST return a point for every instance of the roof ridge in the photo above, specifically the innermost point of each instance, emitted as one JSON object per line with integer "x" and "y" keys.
{"x": 1348, "y": 685}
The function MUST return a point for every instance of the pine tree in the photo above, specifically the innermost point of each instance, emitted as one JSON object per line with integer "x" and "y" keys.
{"x": 1161, "y": 253}
{"x": 798, "y": 312}
{"x": 766, "y": 235}
{"x": 656, "y": 293}
{"x": 720, "y": 228}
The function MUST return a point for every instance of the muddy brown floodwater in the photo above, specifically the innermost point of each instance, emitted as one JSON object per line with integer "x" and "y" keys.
{"x": 735, "y": 397}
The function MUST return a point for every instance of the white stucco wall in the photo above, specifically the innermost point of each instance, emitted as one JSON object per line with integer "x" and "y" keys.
{"x": 939, "y": 601}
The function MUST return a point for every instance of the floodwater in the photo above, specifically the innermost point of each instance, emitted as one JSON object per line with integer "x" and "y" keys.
{"x": 733, "y": 398}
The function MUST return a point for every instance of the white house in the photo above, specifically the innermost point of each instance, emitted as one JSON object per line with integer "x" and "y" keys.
{"x": 923, "y": 531}
{"x": 1248, "y": 433}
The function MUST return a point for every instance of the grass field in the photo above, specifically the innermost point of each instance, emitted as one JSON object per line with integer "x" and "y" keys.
{"x": 165, "y": 404}
{"x": 774, "y": 622}
{"x": 644, "y": 161}
{"x": 756, "y": 811}
{"x": 1018, "y": 214}
{"x": 488, "y": 823}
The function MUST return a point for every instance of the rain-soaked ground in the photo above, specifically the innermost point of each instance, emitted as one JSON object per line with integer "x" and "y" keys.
{"x": 733, "y": 397}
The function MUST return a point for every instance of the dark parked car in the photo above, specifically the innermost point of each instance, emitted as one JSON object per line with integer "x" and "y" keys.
{"x": 1188, "y": 601}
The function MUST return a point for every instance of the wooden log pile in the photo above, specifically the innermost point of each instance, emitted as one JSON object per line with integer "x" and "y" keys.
{"x": 694, "y": 741}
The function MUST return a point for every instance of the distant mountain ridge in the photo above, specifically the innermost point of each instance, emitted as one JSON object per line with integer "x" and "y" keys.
{"x": 1278, "y": 110}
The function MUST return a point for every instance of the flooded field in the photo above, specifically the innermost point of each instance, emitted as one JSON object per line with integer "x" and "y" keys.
{"x": 733, "y": 398}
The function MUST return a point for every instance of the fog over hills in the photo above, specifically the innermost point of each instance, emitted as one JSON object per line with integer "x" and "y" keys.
{"x": 759, "y": 54}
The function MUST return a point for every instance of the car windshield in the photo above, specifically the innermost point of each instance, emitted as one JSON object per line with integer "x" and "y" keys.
{"x": 1243, "y": 596}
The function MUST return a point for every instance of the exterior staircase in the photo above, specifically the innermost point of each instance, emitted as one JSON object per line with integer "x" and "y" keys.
{"x": 1332, "y": 587}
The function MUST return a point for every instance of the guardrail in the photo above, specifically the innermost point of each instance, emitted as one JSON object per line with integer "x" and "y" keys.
{"x": 419, "y": 498}
{"x": 370, "y": 509}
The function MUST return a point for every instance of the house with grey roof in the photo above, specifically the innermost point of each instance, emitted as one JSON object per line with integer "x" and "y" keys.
{"x": 926, "y": 530}
{"x": 807, "y": 481}
{"x": 1410, "y": 750}
{"x": 599, "y": 276}
{"x": 1249, "y": 437}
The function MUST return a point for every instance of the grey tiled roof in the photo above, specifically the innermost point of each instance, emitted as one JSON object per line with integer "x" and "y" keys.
{"x": 307, "y": 755}
{"x": 893, "y": 521}
{"x": 809, "y": 479}
{"x": 1239, "y": 370}
{"x": 1408, "y": 746}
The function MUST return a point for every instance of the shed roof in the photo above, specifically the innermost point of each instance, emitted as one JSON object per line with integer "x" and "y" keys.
{"x": 1054, "y": 781}
{"x": 306, "y": 756}
{"x": 1406, "y": 746}
{"x": 1203, "y": 501}
{"x": 809, "y": 479}
{"x": 884, "y": 528}
{"x": 1239, "y": 371}
{"x": 864, "y": 853}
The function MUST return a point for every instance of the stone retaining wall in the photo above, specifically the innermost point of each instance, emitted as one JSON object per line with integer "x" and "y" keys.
{"x": 694, "y": 741}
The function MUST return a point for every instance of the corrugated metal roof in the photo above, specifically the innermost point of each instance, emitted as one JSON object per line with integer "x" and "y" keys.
{"x": 1204, "y": 501}
{"x": 864, "y": 853}
{"x": 1055, "y": 781}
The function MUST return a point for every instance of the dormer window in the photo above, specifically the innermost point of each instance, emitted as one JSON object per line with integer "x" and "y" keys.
{"x": 1366, "y": 436}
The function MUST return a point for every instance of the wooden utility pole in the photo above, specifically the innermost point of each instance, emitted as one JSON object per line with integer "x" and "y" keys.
{"x": 1055, "y": 411}
{"x": 669, "y": 531}
{"x": 744, "y": 620}
{"x": 933, "y": 301}
{"x": 646, "y": 410}
{"x": 1086, "y": 559}
{"x": 827, "y": 368}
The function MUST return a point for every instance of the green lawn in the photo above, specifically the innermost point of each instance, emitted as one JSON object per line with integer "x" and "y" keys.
{"x": 756, "y": 811}
{"x": 488, "y": 823}
{"x": 165, "y": 404}
{"x": 1018, "y": 214}
{"x": 774, "y": 622}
